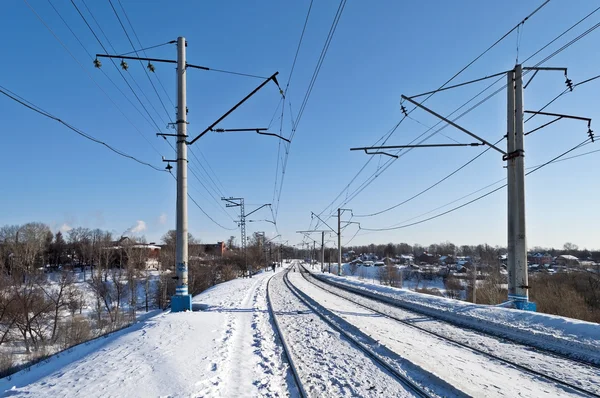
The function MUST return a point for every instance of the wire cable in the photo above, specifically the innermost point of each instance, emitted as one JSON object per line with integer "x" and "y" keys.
{"x": 479, "y": 197}
{"x": 311, "y": 84}
{"x": 143, "y": 50}
{"x": 146, "y": 48}
{"x": 112, "y": 61}
{"x": 192, "y": 171}
{"x": 390, "y": 161}
{"x": 431, "y": 186}
{"x": 204, "y": 212}
{"x": 89, "y": 75}
{"x": 298, "y": 47}
{"x": 141, "y": 63}
{"x": 32, "y": 107}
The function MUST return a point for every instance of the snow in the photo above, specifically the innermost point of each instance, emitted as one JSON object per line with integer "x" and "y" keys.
{"x": 227, "y": 349}
{"x": 573, "y": 337}
{"x": 469, "y": 371}
{"x": 330, "y": 366}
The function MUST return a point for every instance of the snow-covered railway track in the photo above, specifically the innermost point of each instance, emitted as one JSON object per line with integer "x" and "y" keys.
{"x": 328, "y": 361}
{"x": 286, "y": 348}
{"x": 565, "y": 371}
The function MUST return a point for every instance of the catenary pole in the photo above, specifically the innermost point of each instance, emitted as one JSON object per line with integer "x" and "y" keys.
{"x": 521, "y": 278}
{"x": 511, "y": 180}
{"x": 339, "y": 236}
{"x": 182, "y": 301}
{"x": 322, "y": 251}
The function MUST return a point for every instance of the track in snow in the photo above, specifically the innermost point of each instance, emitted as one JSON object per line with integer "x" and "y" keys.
{"x": 589, "y": 382}
{"x": 356, "y": 366}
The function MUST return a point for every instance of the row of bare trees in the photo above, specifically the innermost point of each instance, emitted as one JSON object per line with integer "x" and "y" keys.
{"x": 55, "y": 293}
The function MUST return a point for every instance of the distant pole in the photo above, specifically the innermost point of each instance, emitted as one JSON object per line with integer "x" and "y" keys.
{"x": 182, "y": 301}
{"x": 339, "y": 242}
{"x": 314, "y": 255}
{"x": 521, "y": 277}
{"x": 474, "y": 283}
{"x": 322, "y": 251}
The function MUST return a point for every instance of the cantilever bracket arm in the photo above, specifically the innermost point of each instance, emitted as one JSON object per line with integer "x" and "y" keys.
{"x": 558, "y": 116}
{"x": 261, "y": 131}
{"x": 274, "y": 135}
{"x": 257, "y": 209}
{"x": 450, "y": 122}
{"x": 586, "y": 119}
{"x": 312, "y": 214}
{"x": 272, "y": 77}
{"x": 369, "y": 148}
{"x": 380, "y": 153}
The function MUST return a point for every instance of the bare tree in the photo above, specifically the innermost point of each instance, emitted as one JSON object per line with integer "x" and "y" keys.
{"x": 31, "y": 308}
{"x": 60, "y": 295}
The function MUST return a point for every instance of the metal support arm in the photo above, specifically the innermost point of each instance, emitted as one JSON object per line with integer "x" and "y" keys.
{"x": 450, "y": 122}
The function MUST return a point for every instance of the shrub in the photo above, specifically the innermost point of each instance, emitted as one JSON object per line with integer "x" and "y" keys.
{"x": 432, "y": 291}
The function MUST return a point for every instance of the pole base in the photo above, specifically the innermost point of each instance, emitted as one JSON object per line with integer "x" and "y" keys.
{"x": 520, "y": 303}
{"x": 181, "y": 303}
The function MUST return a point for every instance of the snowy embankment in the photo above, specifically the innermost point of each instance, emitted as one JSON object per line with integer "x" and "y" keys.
{"x": 225, "y": 347}
{"x": 577, "y": 339}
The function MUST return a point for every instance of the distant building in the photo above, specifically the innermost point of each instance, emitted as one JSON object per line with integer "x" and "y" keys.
{"x": 539, "y": 258}
{"x": 405, "y": 259}
{"x": 427, "y": 258}
{"x": 211, "y": 249}
{"x": 567, "y": 260}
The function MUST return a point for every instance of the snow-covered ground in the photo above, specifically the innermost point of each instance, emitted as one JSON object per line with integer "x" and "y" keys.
{"x": 227, "y": 347}
{"x": 470, "y": 372}
{"x": 328, "y": 365}
{"x": 88, "y": 300}
{"x": 577, "y": 338}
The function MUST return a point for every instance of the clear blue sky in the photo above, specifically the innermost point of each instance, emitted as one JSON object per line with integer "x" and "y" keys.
{"x": 380, "y": 50}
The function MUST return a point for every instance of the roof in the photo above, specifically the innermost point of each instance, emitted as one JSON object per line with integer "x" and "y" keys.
{"x": 568, "y": 257}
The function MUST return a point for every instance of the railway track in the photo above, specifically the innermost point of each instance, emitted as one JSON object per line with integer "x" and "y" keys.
{"x": 301, "y": 390}
{"x": 408, "y": 384}
{"x": 366, "y": 299}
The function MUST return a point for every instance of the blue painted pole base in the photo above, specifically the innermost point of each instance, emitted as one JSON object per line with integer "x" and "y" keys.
{"x": 181, "y": 303}
{"x": 520, "y": 303}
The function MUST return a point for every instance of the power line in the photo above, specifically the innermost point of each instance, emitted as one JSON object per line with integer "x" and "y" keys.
{"x": 479, "y": 197}
{"x": 473, "y": 159}
{"x": 35, "y": 108}
{"x": 311, "y": 84}
{"x": 562, "y": 34}
{"x": 141, "y": 63}
{"x": 139, "y": 132}
{"x": 88, "y": 74}
{"x": 144, "y": 51}
{"x": 299, "y": 45}
{"x": 141, "y": 49}
{"x": 431, "y": 186}
{"x": 390, "y": 161}
{"x": 218, "y": 191}
{"x": 112, "y": 61}
{"x": 218, "y": 202}
{"x": 204, "y": 212}
{"x": 159, "y": 97}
